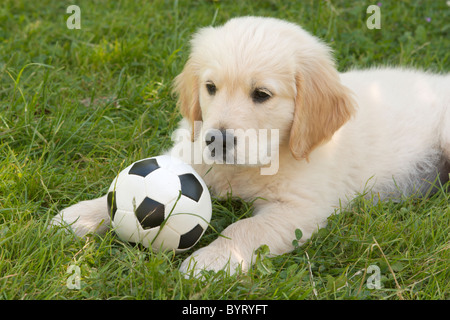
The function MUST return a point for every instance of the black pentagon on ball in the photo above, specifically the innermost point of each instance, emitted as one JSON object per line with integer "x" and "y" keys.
{"x": 150, "y": 213}
{"x": 188, "y": 239}
{"x": 112, "y": 205}
{"x": 190, "y": 186}
{"x": 144, "y": 167}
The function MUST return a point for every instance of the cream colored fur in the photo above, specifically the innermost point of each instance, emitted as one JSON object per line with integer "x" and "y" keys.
{"x": 383, "y": 130}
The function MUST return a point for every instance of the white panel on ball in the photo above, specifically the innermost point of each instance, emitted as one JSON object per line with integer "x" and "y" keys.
{"x": 148, "y": 236}
{"x": 132, "y": 191}
{"x": 186, "y": 215}
{"x": 126, "y": 226}
{"x": 166, "y": 240}
{"x": 162, "y": 185}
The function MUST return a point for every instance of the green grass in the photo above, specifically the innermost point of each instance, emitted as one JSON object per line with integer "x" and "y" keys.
{"x": 76, "y": 105}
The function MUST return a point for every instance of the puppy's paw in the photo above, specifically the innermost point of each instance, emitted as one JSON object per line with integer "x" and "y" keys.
{"x": 71, "y": 220}
{"x": 215, "y": 259}
{"x": 85, "y": 217}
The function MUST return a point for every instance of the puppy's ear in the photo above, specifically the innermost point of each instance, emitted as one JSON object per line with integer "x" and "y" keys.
{"x": 186, "y": 86}
{"x": 322, "y": 104}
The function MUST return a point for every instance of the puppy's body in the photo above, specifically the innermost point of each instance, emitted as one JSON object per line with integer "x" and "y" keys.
{"x": 400, "y": 129}
{"x": 393, "y": 147}
{"x": 380, "y": 130}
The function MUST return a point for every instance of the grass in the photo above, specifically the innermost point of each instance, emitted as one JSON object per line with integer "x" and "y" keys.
{"x": 75, "y": 105}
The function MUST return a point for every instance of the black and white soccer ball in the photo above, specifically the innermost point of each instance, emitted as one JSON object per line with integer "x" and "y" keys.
{"x": 161, "y": 203}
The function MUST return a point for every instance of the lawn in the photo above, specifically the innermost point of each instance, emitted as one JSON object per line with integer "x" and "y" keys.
{"x": 76, "y": 105}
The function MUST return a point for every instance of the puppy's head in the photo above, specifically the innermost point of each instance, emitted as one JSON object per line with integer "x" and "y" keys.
{"x": 263, "y": 74}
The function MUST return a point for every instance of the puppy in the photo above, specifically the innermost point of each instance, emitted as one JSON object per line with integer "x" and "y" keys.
{"x": 328, "y": 135}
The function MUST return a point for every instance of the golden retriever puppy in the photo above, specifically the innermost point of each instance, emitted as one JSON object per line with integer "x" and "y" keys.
{"x": 268, "y": 116}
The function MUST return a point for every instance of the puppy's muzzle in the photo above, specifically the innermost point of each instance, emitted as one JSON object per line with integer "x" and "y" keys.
{"x": 220, "y": 140}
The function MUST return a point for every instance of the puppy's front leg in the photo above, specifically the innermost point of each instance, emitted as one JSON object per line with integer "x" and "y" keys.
{"x": 273, "y": 225}
{"x": 90, "y": 216}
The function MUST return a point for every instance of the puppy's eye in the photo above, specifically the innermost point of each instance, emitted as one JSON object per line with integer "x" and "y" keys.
{"x": 260, "y": 95}
{"x": 211, "y": 88}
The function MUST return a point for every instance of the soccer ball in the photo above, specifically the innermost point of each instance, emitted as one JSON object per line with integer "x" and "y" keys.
{"x": 161, "y": 203}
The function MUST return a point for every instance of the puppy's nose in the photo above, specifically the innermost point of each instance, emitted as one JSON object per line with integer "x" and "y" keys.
{"x": 228, "y": 140}
{"x": 210, "y": 137}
